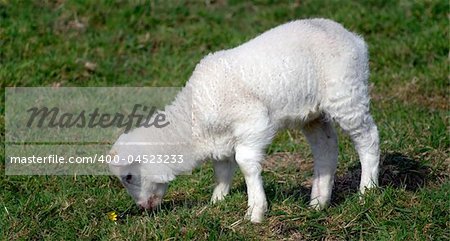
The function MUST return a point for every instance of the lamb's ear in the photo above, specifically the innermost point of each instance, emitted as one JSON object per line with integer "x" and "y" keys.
{"x": 116, "y": 160}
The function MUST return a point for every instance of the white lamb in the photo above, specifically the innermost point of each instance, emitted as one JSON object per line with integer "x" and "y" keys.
{"x": 302, "y": 74}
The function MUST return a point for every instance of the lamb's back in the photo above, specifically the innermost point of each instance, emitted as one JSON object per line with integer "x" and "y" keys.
{"x": 284, "y": 68}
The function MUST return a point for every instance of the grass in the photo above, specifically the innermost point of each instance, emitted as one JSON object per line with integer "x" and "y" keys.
{"x": 137, "y": 43}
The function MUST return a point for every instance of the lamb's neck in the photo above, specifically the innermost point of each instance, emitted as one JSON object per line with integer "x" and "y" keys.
{"x": 185, "y": 132}
{"x": 179, "y": 115}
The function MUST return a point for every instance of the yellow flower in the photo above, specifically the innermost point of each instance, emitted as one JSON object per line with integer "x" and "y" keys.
{"x": 112, "y": 216}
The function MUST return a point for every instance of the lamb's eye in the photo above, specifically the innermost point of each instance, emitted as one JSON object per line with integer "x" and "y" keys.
{"x": 128, "y": 178}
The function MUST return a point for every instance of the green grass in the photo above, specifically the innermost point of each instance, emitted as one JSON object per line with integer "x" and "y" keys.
{"x": 47, "y": 43}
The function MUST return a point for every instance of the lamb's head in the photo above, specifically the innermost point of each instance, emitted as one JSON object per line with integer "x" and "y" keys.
{"x": 145, "y": 182}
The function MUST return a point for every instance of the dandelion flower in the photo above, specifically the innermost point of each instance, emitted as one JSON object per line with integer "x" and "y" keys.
{"x": 112, "y": 216}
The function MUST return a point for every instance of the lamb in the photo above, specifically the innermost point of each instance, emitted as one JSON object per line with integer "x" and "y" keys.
{"x": 304, "y": 74}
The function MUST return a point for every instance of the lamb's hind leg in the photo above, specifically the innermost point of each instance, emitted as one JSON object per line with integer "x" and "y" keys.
{"x": 346, "y": 100}
{"x": 366, "y": 141}
{"x": 323, "y": 141}
{"x": 358, "y": 123}
{"x": 224, "y": 171}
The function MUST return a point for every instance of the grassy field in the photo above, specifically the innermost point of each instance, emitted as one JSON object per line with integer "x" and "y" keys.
{"x": 116, "y": 43}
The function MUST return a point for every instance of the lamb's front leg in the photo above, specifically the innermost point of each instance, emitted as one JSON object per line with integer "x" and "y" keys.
{"x": 249, "y": 161}
{"x": 224, "y": 171}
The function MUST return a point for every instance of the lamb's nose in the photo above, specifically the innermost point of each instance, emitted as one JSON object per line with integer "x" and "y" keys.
{"x": 144, "y": 205}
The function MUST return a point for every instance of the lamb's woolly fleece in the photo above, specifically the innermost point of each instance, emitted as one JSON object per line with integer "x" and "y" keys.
{"x": 292, "y": 75}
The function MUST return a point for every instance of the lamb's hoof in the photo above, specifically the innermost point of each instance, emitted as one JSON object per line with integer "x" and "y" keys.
{"x": 255, "y": 215}
{"x": 219, "y": 193}
{"x": 363, "y": 191}
{"x": 317, "y": 205}
{"x": 218, "y": 196}
{"x": 215, "y": 199}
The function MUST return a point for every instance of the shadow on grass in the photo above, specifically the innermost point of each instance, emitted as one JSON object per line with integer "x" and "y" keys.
{"x": 396, "y": 170}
